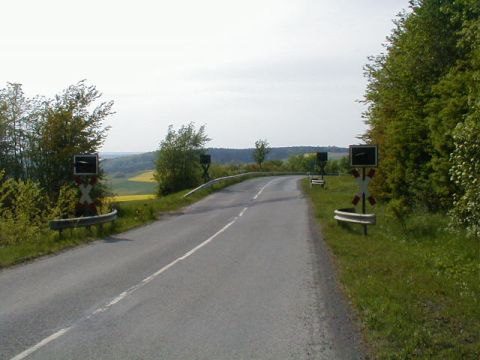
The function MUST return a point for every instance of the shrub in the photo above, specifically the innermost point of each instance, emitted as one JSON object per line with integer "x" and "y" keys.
{"x": 66, "y": 203}
{"x": 23, "y": 210}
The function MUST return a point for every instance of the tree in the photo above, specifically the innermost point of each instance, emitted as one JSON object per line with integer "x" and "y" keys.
{"x": 38, "y": 137}
{"x": 70, "y": 124}
{"x": 453, "y": 102}
{"x": 178, "y": 162}
{"x": 15, "y": 128}
{"x": 465, "y": 173}
{"x": 261, "y": 151}
{"x": 418, "y": 92}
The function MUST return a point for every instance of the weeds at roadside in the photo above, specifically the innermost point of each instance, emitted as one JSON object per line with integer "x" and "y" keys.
{"x": 415, "y": 286}
{"x": 130, "y": 215}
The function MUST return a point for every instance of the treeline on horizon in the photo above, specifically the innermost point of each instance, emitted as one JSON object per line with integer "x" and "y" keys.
{"x": 423, "y": 100}
{"x": 223, "y": 156}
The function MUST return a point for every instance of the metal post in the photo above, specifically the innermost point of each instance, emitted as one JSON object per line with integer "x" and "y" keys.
{"x": 322, "y": 172}
{"x": 363, "y": 203}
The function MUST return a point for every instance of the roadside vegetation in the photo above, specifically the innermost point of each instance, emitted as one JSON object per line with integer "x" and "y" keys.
{"x": 23, "y": 238}
{"x": 414, "y": 280}
{"x": 38, "y": 138}
{"x": 423, "y": 100}
{"x": 413, "y": 283}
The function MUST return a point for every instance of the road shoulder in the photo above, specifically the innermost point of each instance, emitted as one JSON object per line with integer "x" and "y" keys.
{"x": 342, "y": 321}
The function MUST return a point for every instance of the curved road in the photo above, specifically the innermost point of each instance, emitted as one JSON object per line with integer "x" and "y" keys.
{"x": 241, "y": 274}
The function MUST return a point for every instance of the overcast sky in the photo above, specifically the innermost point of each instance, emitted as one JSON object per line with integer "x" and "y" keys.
{"x": 289, "y": 71}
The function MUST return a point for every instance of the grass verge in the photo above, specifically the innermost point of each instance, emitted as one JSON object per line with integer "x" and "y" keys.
{"x": 414, "y": 286}
{"x": 131, "y": 214}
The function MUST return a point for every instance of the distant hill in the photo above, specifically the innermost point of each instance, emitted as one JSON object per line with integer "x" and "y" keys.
{"x": 129, "y": 164}
{"x": 140, "y": 162}
{"x": 114, "y": 155}
{"x": 226, "y": 156}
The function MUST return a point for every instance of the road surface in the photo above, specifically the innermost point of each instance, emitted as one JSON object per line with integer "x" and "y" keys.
{"x": 241, "y": 274}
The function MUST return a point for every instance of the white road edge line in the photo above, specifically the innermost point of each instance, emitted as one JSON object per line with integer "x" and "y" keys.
{"x": 41, "y": 344}
{"x": 124, "y": 294}
{"x": 243, "y": 212}
{"x": 261, "y": 190}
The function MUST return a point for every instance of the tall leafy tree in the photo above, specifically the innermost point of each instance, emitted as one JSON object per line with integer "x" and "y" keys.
{"x": 465, "y": 158}
{"x": 261, "y": 151}
{"x": 178, "y": 162}
{"x": 453, "y": 100}
{"x": 408, "y": 101}
{"x": 72, "y": 123}
{"x": 15, "y": 131}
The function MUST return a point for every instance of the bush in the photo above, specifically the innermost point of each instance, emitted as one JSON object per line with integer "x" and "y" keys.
{"x": 399, "y": 209}
{"x": 66, "y": 203}
{"x": 23, "y": 210}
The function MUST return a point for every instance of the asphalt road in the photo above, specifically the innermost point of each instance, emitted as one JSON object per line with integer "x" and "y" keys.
{"x": 242, "y": 274}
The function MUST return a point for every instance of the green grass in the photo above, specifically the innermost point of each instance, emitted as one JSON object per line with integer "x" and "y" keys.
{"x": 131, "y": 214}
{"x": 415, "y": 288}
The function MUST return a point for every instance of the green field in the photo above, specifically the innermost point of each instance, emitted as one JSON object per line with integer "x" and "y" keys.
{"x": 146, "y": 177}
{"x": 414, "y": 287}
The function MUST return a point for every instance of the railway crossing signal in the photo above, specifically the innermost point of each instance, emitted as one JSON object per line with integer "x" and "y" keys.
{"x": 205, "y": 161}
{"x": 85, "y": 165}
{"x": 363, "y": 184}
{"x": 322, "y": 158}
{"x": 85, "y": 169}
{"x": 363, "y": 156}
{"x": 86, "y": 205}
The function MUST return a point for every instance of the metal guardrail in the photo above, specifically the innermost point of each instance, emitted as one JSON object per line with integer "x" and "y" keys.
{"x": 352, "y": 217}
{"x": 317, "y": 182}
{"x": 256, "y": 173}
{"x": 82, "y": 221}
